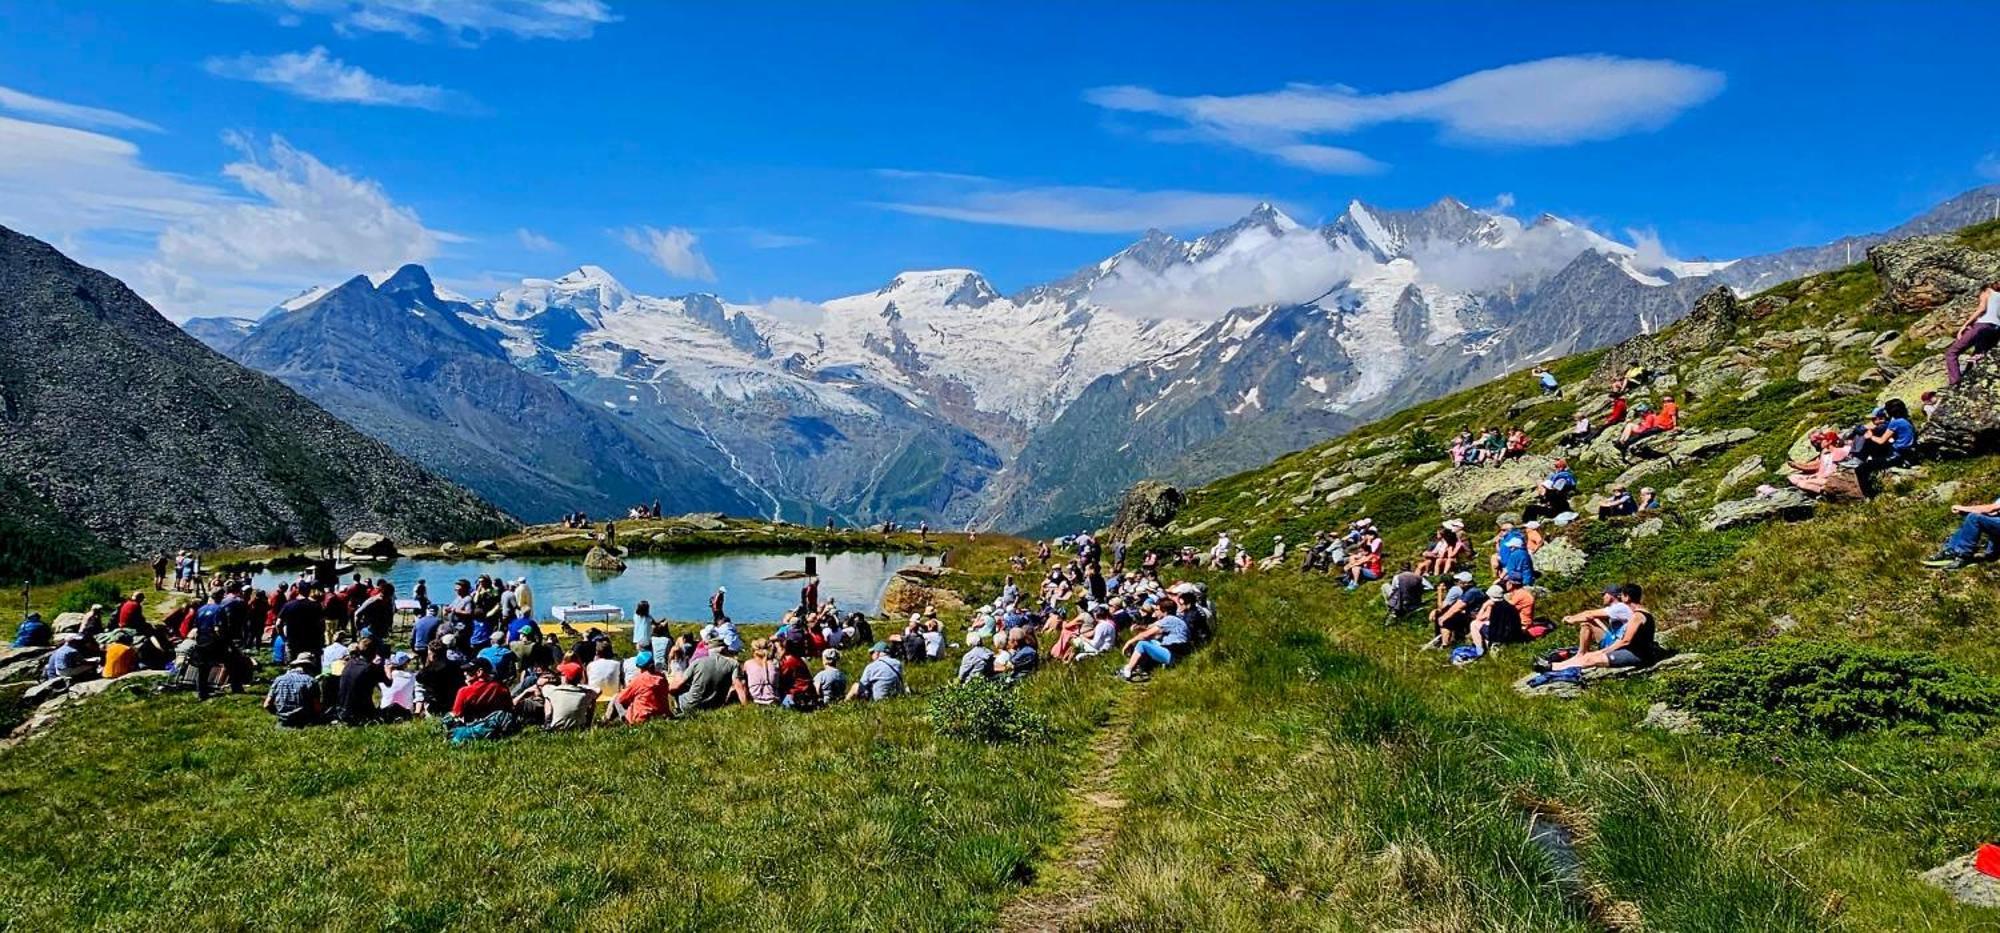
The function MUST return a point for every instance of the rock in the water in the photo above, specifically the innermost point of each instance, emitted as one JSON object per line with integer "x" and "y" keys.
{"x": 1489, "y": 489}
{"x": 913, "y": 589}
{"x": 1668, "y": 719}
{"x": 450, "y": 549}
{"x": 1148, "y": 502}
{"x": 1965, "y": 884}
{"x": 603, "y": 561}
{"x": 1738, "y": 473}
{"x": 1559, "y": 558}
{"x": 1788, "y": 504}
{"x": 371, "y": 544}
{"x": 488, "y": 545}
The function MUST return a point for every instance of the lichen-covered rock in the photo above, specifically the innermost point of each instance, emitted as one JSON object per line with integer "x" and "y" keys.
{"x": 1668, "y": 719}
{"x": 600, "y": 560}
{"x": 1817, "y": 369}
{"x": 1559, "y": 558}
{"x": 1738, "y": 473}
{"x": 370, "y": 544}
{"x": 1695, "y": 445}
{"x": 1925, "y": 375}
{"x": 1922, "y": 273}
{"x": 1788, "y": 504}
{"x": 1647, "y": 528}
{"x": 1967, "y": 420}
{"x": 915, "y": 589}
{"x": 1489, "y": 489}
{"x": 1147, "y": 503}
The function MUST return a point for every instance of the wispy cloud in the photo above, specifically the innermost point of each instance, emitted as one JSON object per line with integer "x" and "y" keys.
{"x": 757, "y": 238}
{"x": 674, "y": 249}
{"x": 1073, "y": 208}
{"x": 454, "y": 20}
{"x": 317, "y": 75}
{"x": 1547, "y": 102}
{"x": 796, "y": 312}
{"x": 529, "y": 239}
{"x": 56, "y": 111}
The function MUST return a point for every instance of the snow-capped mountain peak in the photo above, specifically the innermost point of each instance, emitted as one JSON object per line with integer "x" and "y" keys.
{"x": 962, "y": 288}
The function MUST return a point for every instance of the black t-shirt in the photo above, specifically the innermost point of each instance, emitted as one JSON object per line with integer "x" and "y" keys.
{"x": 304, "y": 625}
{"x": 1407, "y": 591}
{"x": 1473, "y": 598}
{"x": 1503, "y": 623}
{"x": 357, "y": 689}
{"x": 441, "y": 682}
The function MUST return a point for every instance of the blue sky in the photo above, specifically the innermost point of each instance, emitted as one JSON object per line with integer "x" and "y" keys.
{"x": 221, "y": 155}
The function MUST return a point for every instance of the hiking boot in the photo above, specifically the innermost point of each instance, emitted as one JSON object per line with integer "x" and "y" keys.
{"x": 1540, "y": 665}
{"x": 1948, "y": 562}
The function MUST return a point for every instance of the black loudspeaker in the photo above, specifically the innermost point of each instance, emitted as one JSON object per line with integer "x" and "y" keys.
{"x": 324, "y": 574}
{"x": 812, "y": 565}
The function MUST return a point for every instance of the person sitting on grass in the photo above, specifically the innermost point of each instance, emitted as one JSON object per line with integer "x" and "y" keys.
{"x": 1365, "y": 564}
{"x": 1632, "y": 643}
{"x": 1444, "y": 553}
{"x": 1977, "y": 537}
{"x": 1618, "y": 504}
{"x": 1405, "y": 593}
{"x": 1650, "y": 423}
{"x": 294, "y": 696}
{"x": 568, "y": 706}
{"x": 355, "y": 695}
{"x": 1553, "y": 493}
{"x": 831, "y": 681}
{"x": 1517, "y": 444}
{"x": 1504, "y": 617}
{"x": 1548, "y": 380}
{"x": 1598, "y": 628}
{"x": 795, "y": 679}
{"x": 1889, "y": 441}
{"x": 120, "y": 658}
{"x": 481, "y": 696}
{"x": 647, "y": 695}
{"x": 882, "y": 679}
{"x": 1453, "y": 620}
{"x": 1512, "y": 555}
{"x": 1811, "y": 475}
{"x": 1103, "y": 634}
{"x": 1159, "y": 644}
{"x": 1023, "y": 658}
{"x": 712, "y": 681}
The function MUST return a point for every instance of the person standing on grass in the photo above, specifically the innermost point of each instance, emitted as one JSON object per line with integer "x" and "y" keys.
{"x": 1978, "y": 334}
{"x": 303, "y": 624}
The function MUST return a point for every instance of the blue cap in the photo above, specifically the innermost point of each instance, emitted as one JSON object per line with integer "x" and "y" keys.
{"x": 643, "y": 659}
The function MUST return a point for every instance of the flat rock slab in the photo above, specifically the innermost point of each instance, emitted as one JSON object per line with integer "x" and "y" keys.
{"x": 1564, "y": 690}
{"x": 1965, "y": 883}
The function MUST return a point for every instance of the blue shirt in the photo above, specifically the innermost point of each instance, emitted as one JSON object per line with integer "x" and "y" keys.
{"x": 1173, "y": 631}
{"x": 426, "y": 629}
{"x": 1903, "y": 434}
{"x": 501, "y": 658}
{"x": 882, "y": 679}
{"x": 33, "y": 633}
{"x": 516, "y": 627}
{"x": 642, "y": 632}
{"x": 1024, "y": 660}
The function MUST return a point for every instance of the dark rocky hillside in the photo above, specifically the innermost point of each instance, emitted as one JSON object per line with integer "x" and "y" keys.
{"x": 119, "y": 433}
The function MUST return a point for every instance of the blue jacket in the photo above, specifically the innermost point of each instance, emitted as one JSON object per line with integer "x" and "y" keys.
{"x": 33, "y": 633}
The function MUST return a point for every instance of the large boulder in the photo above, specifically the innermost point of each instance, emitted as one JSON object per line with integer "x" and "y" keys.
{"x": 1923, "y": 273}
{"x": 915, "y": 589}
{"x": 1737, "y": 474}
{"x": 1148, "y": 504}
{"x": 600, "y": 560}
{"x": 1925, "y": 375}
{"x": 1489, "y": 489}
{"x": 1967, "y": 420}
{"x": 69, "y": 622}
{"x": 1695, "y": 445}
{"x": 1965, "y": 883}
{"x": 370, "y": 544}
{"x": 1709, "y": 324}
{"x": 1559, "y": 558}
{"x": 1788, "y": 503}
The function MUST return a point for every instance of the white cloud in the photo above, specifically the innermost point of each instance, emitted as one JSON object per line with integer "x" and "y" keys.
{"x": 1079, "y": 209}
{"x": 796, "y": 312}
{"x": 673, "y": 249}
{"x": 58, "y": 182}
{"x": 770, "y": 239}
{"x": 1551, "y": 101}
{"x": 304, "y": 219}
{"x": 529, "y": 239}
{"x": 1290, "y": 269}
{"x": 457, "y": 20}
{"x": 70, "y": 114}
{"x": 317, "y": 75}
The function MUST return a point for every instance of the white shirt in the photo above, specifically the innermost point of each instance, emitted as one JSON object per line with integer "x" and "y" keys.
{"x": 1992, "y": 313}
{"x": 400, "y": 691}
{"x": 605, "y": 675}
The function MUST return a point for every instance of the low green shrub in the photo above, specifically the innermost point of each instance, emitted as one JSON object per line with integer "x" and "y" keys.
{"x": 985, "y": 711}
{"x": 87, "y": 594}
{"x": 1831, "y": 690}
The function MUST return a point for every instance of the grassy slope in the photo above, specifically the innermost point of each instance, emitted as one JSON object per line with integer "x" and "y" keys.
{"x": 1390, "y": 758}
{"x": 1311, "y": 771}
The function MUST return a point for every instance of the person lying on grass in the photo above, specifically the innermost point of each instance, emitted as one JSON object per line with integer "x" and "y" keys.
{"x": 1624, "y": 632}
{"x": 1977, "y": 537}
{"x": 1160, "y": 643}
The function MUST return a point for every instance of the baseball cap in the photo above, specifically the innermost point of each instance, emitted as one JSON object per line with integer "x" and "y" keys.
{"x": 400, "y": 658}
{"x": 1464, "y": 576}
{"x": 880, "y": 647}
{"x": 830, "y": 655}
{"x": 643, "y": 659}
